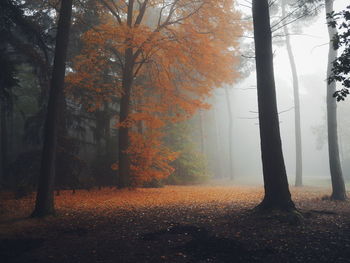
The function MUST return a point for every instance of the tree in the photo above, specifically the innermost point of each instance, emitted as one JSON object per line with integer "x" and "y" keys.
{"x": 297, "y": 127}
{"x": 338, "y": 185}
{"x": 44, "y": 201}
{"x": 190, "y": 166}
{"x": 166, "y": 59}
{"x": 341, "y": 65}
{"x": 230, "y": 132}
{"x": 7, "y": 82}
{"x": 277, "y": 195}
{"x": 293, "y": 15}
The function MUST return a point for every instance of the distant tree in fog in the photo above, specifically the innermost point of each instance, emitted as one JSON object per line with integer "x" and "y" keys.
{"x": 297, "y": 127}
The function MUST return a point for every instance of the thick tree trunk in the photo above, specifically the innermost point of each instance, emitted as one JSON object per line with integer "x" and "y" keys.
{"x": 338, "y": 186}
{"x": 123, "y": 136}
{"x": 44, "y": 200}
{"x": 277, "y": 195}
{"x": 298, "y": 147}
{"x": 124, "y": 176}
{"x": 230, "y": 129}
{"x": 62, "y": 134}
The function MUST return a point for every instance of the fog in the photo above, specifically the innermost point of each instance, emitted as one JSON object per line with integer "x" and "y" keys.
{"x": 168, "y": 128}
{"x": 310, "y": 49}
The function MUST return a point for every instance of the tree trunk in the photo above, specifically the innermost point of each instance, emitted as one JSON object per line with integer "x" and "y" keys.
{"x": 3, "y": 144}
{"x": 217, "y": 145}
{"x": 201, "y": 123}
{"x": 277, "y": 195}
{"x": 230, "y": 129}
{"x": 123, "y": 135}
{"x": 45, "y": 198}
{"x": 297, "y": 126}
{"x": 124, "y": 177}
{"x": 61, "y": 151}
{"x": 338, "y": 186}
{"x": 107, "y": 130}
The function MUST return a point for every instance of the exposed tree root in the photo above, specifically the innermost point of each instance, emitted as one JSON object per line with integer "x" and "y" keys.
{"x": 285, "y": 213}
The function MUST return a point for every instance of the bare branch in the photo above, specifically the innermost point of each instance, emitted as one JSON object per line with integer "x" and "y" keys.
{"x": 283, "y": 111}
{"x": 116, "y": 14}
{"x": 141, "y": 13}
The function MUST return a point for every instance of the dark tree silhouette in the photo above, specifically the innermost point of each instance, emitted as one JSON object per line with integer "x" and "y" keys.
{"x": 338, "y": 185}
{"x": 341, "y": 66}
{"x": 7, "y": 82}
{"x": 277, "y": 195}
{"x": 44, "y": 201}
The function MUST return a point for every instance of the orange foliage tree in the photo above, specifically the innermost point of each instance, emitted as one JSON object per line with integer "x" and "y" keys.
{"x": 165, "y": 57}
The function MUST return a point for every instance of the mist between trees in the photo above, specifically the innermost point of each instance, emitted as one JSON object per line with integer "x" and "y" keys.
{"x": 165, "y": 92}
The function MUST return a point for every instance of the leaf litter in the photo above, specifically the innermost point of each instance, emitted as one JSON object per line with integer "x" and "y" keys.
{"x": 174, "y": 224}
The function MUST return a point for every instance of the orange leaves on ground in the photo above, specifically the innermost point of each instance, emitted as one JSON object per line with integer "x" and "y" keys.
{"x": 111, "y": 200}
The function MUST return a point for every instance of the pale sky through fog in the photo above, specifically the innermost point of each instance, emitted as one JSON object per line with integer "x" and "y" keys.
{"x": 310, "y": 50}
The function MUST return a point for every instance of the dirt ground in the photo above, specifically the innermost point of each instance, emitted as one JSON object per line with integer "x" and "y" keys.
{"x": 175, "y": 224}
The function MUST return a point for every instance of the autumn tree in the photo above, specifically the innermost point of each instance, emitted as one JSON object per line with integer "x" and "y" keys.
{"x": 277, "y": 195}
{"x": 168, "y": 55}
{"x": 44, "y": 201}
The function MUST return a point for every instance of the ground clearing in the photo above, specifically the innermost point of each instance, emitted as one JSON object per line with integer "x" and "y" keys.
{"x": 174, "y": 224}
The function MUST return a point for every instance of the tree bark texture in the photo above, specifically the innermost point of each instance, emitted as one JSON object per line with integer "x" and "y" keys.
{"x": 277, "y": 195}
{"x": 297, "y": 125}
{"x": 45, "y": 196}
{"x": 338, "y": 186}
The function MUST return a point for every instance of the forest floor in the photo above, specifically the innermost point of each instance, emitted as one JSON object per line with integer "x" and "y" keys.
{"x": 174, "y": 224}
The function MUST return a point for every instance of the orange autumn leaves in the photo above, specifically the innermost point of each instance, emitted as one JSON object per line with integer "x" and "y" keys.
{"x": 181, "y": 50}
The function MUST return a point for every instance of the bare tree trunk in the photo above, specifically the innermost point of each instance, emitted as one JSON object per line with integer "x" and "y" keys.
{"x": 61, "y": 151}
{"x": 217, "y": 145}
{"x": 230, "y": 129}
{"x": 107, "y": 130}
{"x": 124, "y": 179}
{"x": 3, "y": 144}
{"x": 338, "y": 186}
{"x": 297, "y": 126}
{"x": 201, "y": 123}
{"x": 277, "y": 195}
{"x": 45, "y": 197}
{"x": 123, "y": 136}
